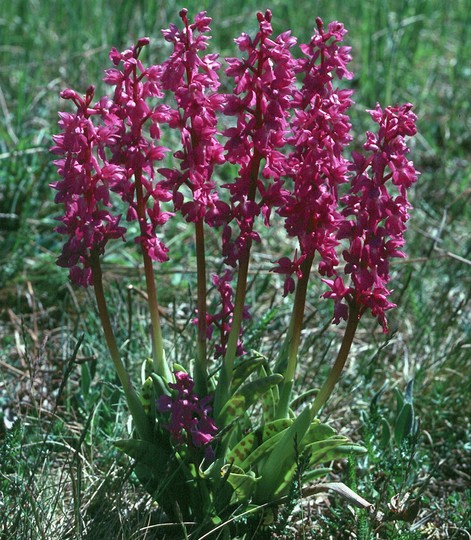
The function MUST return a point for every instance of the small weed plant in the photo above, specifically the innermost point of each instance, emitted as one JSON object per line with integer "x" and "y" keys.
{"x": 222, "y": 439}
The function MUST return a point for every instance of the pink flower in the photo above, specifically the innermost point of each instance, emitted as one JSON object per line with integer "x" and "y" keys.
{"x": 286, "y": 135}
{"x": 129, "y": 115}
{"x": 264, "y": 81}
{"x": 222, "y": 319}
{"x": 189, "y": 415}
{"x": 289, "y": 267}
{"x": 320, "y": 132}
{"x": 194, "y": 81}
{"x": 374, "y": 220}
{"x": 105, "y": 148}
{"x": 84, "y": 189}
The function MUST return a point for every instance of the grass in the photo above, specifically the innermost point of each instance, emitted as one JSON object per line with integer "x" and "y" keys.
{"x": 59, "y": 400}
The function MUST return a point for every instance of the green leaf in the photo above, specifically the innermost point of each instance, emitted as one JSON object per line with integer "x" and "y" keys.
{"x": 330, "y": 449}
{"x": 147, "y": 369}
{"x": 246, "y": 396}
{"x": 213, "y": 470}
{"x": 318, "y": 449}
{"x": 268, "y": 406}
{"x": 244, "y": 369}
{"x": 243, "y": 449}
{"x": 313, "y": 474}
{"x": 404, "y": 423}
{"x": 165, "y": 476}
{"x": 178, "y": 367}
{"x": 160, "y": 388}
{"x": 144, "y": 452}
{"x": 262, "y": 450}
{"x": 385, "y": 438}
{"x": 318, "y": 432}
{"x": 320, "y": 452}
{"x": 335, "y": 448}
{"x": 147, "y": 395}
{"x": 399, "y": 400}
{"x": 85, "y": 379}
{"x": 242, "y": 483}
{"x": 233, "y": 409}
{"x": 409, "y": 397}
{"x": 240, "y": 454}
{"x": 300, "y": 400}
{"x": 269, "y": 401}
{"x": 376, "y": 397}
{"x": 281, "y": 459}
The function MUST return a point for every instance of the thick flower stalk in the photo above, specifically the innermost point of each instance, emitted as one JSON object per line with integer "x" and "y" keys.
{"x": 374, "y": 225}
{"x": 320, "y": 134}
{"x": 135, "y": 130}
{"x": 87, "y": 178}
{"x": 193, "y": 81}
{"x": 260, "y": 104}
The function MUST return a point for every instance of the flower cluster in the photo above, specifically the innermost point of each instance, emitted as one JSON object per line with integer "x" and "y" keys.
{"x": 189, "y": 415}
{"x": 111, "y": 146}
{"x": 222, "y": 319}
{"x": 260, "y": 104}
{"x": 106, "y": 149}
{"x": 133, "y": 127}
{"x": 194, "y": 82}
{"x": 84, "y": 189}
{"x": 375, "y": 220}
{"x": 320, "y": 133}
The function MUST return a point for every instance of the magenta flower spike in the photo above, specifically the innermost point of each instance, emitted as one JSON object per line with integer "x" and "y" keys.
{"x": 320, "y": 132}
{"x": 134, "y": 145}
{"x": 84, "y": 190}
{"x": 260, "y": 103}
{"x": 135, "y": 127}
{"x": 373, "y": 224}
{"x": 374, "y": 218}
{"x": 112, "y": 147}
{"x": 193, "y": 80}
{"x": 190, "y": 422}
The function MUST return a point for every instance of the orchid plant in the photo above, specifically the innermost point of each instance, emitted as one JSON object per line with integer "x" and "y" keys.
{"x": 221, "y": 437}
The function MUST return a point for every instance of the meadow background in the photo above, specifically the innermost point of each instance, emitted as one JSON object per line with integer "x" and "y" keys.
{"x": 60, "y": 405}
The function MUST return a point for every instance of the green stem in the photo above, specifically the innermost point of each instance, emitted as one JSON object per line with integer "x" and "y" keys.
{"x": 135, "y": 407}
{"x": 224, "y": 384}
{"x": 334, "y": 375}
{"x": 288, "y": 358}
{"x": 223, "y": 389}
{"x": 158, "y": 354}
{"x": 201, "y": 367}
{"x": 225, "y": 380}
